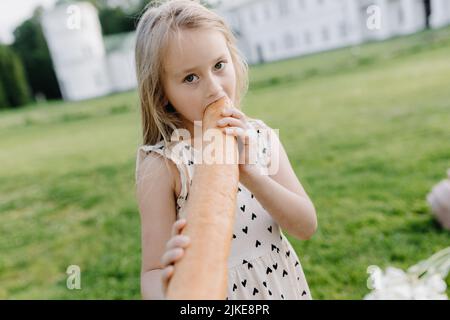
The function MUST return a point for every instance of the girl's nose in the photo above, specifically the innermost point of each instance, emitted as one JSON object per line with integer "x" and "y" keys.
{"x": 214, "y": 87}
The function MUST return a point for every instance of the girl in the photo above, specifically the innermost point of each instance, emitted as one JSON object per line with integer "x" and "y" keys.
{"x": 186, "y": 58}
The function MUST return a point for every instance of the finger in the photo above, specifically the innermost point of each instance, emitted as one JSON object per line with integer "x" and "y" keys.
{"x": 171, "y": 256}
{"x": 246, "y": 135}
{"x": 179, "y": 241}
{"x": 233, "y": 112}
{"x": 234, "y": 131}
{"x": 166, "y": 276}
{"x": 228, "y": 121}
{"x": 178, "y": 226}
{"x": 167, "y": 272}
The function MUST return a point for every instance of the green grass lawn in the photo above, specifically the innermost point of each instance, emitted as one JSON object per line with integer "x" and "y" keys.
{"x": 366, "y": 129}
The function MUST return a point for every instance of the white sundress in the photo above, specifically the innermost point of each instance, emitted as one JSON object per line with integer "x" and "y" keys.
{"x": 262, "y": 263}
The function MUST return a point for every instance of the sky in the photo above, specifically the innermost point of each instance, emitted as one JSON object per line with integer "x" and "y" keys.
{"x": 14, "y": 12}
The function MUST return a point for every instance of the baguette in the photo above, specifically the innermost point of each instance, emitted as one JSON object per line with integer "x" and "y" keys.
{"x": 202, "y": 273}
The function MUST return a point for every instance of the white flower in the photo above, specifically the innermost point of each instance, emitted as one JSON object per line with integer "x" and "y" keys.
{"x": 424, "y": 281}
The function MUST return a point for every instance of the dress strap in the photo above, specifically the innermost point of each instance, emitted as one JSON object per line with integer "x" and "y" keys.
{"x": 178, "y": 154}
{"x": 263, "y": 141}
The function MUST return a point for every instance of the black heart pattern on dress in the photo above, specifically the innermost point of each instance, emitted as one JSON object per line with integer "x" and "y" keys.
{"x": 245, "y": 229}
{"x": 252, "y": 196}
{"x": 234, "y": 236}
{"x": 296, "y": 263}
{"x": 268, "y": 270}
{"x": 288, "y": 253}
{"x": 304, "y": 293}
{"x": 253, "y": 216}
{"x": 234, "y": 286}
{"x": 270, "y": 229}
{"x": 243, "y": 208}
{"x": 275, "y": 266}
{"x": 265, "y": 284}
{"x": 249, "y": 265}
{"x": 274, "y": 247}
{"x": 257, "y": 243}
{"x": 244, "y": 283}
{"x": 285, "y": 273}
{"x": 255, "y": 291}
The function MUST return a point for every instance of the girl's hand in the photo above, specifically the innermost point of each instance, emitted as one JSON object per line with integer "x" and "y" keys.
{"x": 234, "y": 123}
{"x": 174, "y": 251}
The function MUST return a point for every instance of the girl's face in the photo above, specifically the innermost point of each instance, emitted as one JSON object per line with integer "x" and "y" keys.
{"x": 198, "y": 72}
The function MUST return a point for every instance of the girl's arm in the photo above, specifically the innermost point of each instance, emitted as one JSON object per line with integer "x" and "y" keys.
{"x": 151, "y": 285}
{"x": 283, "y": 196}
{"x": 155, "y": 196}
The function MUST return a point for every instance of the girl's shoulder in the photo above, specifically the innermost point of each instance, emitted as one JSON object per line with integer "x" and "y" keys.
{"x": 156, "y": 158}
{"x": 154, "y": 151}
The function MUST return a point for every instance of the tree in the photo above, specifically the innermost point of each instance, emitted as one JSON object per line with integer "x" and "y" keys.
{"x": 3, "y": 102}
{"x": 13, "y": 85}
{"x": 32, "y": 48}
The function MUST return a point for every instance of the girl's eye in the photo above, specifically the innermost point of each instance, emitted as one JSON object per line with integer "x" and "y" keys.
{"x": 189, "y": 77}
{"x": 223, "y": 63}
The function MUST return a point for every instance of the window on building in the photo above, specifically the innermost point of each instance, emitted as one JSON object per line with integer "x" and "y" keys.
{"x": 325, "y": 34}
{"x": 283, "y": 7}
{"x": 308, "y": 38}
{"x": 302, "y": 4}
{"x": 343, "y": 29}
{"x": 400, "y": 16}
{"x": 260, "y": 53}
{"x": 289, "y": 41}
{"x": 267, "y": 10}
{"x": 253, "y": 15}
{"x": 273, "y": 46}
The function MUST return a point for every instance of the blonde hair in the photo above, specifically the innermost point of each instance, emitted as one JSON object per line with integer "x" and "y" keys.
{"x": 160, "y": 21}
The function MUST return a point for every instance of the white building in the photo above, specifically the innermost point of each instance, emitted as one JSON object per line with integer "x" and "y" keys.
{"x": 88, "y": 66}
{"x": 269, "y": 30}
{"x": 84, "y": 68}
{"x": 440, "y": 15}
